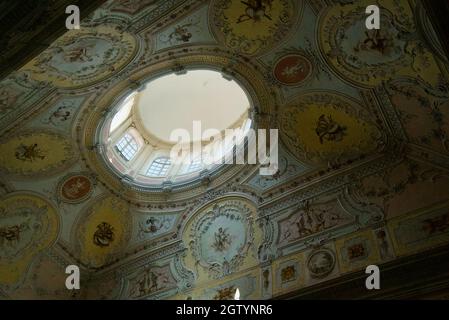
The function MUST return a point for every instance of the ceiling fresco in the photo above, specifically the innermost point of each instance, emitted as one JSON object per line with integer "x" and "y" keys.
{"x": 30, "y": 224}
{"x": 36, "y": 153}
{"x": 363, "y": 119}
{"x": 84, "y": 57}
{"x": 221, "y": 238}
{"x": 103, "y": 231}
{"x": 326, "y": 127}
{"x": 374, "y": 56}
{"x": 234, "y": 21}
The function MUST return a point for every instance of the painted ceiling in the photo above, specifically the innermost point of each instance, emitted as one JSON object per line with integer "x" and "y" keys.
{"x": 363, "y": 119}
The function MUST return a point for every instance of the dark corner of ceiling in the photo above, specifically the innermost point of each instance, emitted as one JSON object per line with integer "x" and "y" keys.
{"x": 27, "y": 27}
{"x": 438, "y": 11}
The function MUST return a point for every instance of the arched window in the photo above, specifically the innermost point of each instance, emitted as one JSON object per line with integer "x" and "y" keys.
{"x": 127, "y": 147}
{"x": 159, "y": 167}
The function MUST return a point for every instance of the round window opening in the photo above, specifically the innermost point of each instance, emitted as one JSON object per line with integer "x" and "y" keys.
{"x": 177, "y": 127}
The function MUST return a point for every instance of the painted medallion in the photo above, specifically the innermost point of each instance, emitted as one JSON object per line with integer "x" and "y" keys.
{"x": 75, "y": 188}
{"x": 292, "y": 70}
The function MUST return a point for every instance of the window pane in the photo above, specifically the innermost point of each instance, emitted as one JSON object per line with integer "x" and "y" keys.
{"x": 195, "y": 165}
{"x": 159, "y": 167}
{"x": 127, "y": 147}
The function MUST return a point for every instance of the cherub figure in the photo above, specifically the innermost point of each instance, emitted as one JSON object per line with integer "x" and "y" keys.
{"x": 375, "y": 41}
{"x": 291, "y": 71}
{"x": 181, "y": 33}
{"x": 222, "y": 240}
